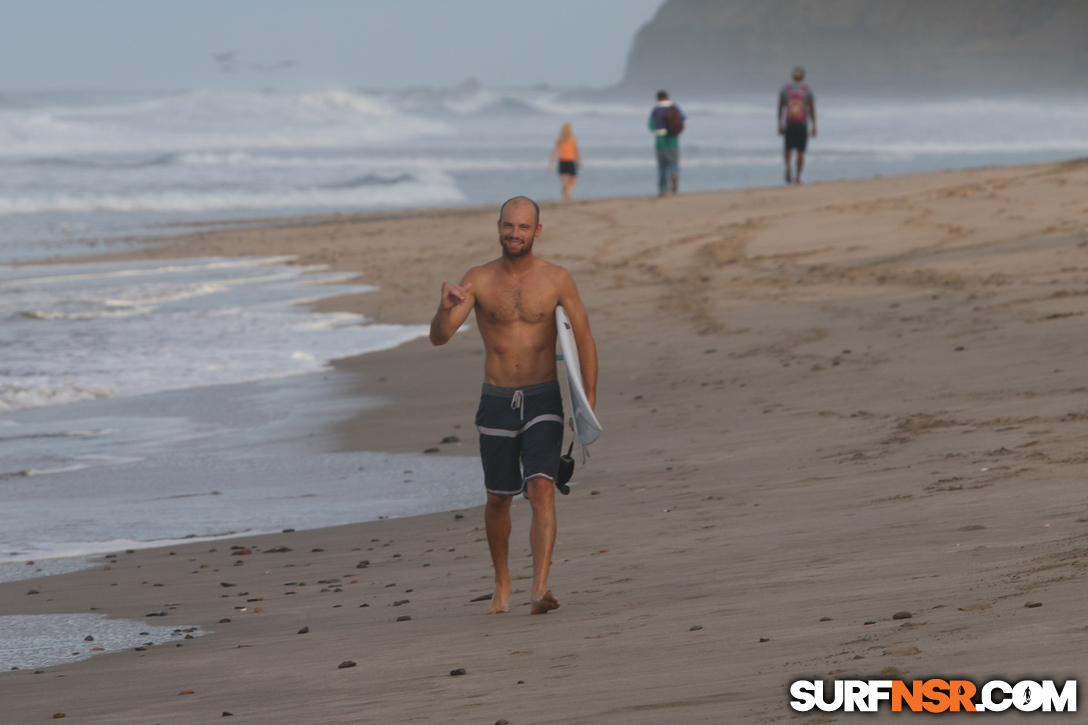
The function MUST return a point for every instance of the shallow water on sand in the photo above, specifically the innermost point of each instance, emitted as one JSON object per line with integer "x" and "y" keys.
{"x": 31, "y": 641}
{"x": 205, "y": 462}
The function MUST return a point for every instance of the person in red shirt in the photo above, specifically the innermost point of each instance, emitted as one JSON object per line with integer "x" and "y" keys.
{"x": 796, "y": 110}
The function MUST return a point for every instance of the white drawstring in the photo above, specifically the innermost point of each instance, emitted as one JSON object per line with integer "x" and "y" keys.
{"x": 519, "y": 402}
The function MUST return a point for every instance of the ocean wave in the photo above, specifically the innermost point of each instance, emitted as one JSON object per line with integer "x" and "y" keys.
{"x": 355, "y": 196}
{"x": 145, "y": 299}
{"x": 978, "y": 108}
{"x": 201, "y": 121}
{"x": 547, "y": 103}
{"x": 90, "y": 331}
{"x": 18, "y": 396}
{"x": 74, "y": 549}
{"x": 87, "y": 315}
{"x": 32, "y": 274}
{"x": 353, "y": 102}
{"x": 905, "y": 150}
{"x": 82, "y": 434}
{"x": 370, "y": 180}
{"x": 28, "y": 473}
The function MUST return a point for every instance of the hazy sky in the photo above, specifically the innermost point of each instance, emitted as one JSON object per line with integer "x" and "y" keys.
{"x": 169, "y": 44}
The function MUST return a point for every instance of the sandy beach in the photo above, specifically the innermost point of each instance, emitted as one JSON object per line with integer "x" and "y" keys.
{"x": 823, "y": 406}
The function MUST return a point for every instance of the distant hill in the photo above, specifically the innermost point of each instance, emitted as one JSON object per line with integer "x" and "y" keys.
{"x": 979, "y": 47}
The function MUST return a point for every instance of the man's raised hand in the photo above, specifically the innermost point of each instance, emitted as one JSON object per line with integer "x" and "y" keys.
{"x": 454, "y": 295}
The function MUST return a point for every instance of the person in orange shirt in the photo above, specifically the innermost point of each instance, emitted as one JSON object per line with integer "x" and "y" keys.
{"x": 570, "y": 160}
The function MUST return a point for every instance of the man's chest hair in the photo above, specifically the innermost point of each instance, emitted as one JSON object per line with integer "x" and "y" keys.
{"x": 512, "y": 301}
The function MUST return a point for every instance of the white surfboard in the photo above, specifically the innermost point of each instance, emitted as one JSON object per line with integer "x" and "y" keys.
{"x": 586, "y": 426}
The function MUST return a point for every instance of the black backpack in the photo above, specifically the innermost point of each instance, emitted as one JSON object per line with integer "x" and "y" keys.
{"x": 674, "y": 121}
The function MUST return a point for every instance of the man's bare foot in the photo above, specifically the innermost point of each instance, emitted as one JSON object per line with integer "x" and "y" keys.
{"x": 500, "y": 600}
{"x": 545, "y": 604}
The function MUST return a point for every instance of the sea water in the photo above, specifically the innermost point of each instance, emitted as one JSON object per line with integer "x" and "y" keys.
{"x": 80, "y": 332}
{"x": 41, "y": 640}
{"x": 85, "y": 172}
{"x": 146, "y": 402}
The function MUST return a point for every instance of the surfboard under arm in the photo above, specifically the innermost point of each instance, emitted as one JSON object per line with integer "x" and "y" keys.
{"x": 586, "y": 426}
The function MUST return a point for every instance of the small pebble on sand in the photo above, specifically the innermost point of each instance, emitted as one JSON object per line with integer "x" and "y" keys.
{"x": 345, "y": 664}
{"x": 902, "y": 615}
{"x": 458, "y": 672}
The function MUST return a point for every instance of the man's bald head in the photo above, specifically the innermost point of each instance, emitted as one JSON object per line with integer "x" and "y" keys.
{"x": 517, "y": 201}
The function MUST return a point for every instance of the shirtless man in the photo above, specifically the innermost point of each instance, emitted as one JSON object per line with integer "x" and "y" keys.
{"x": 520, "y": 418}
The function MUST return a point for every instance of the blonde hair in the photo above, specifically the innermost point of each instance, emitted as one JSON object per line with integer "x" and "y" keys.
{"x": 565, "y": 132}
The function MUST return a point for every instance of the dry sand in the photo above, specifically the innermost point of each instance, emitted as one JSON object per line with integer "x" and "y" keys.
{"x": 838, "y": 401}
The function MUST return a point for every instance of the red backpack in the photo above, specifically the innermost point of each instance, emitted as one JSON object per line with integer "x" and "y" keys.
{"x": 796, "y": 108}
{"x": 674, "y": 121}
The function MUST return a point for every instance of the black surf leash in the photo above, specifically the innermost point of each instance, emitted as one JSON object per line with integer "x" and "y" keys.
{"x": 566, "y": 470}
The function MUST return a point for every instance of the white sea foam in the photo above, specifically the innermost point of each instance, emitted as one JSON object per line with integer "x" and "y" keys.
{"x": 200, "y": 120}
{"x": 96, "y": 331}
{"x": 42, "y": 554}
{"x": 439, "y": 190}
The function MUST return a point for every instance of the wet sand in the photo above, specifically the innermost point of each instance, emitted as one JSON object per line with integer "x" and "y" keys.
{"x": 823, "y": 406}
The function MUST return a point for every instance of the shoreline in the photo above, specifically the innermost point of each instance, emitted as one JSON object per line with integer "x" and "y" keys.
{"x": 841, "y": 401}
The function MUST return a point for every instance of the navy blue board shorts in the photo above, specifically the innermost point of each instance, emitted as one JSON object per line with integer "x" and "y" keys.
{"x": 521, "y": 435}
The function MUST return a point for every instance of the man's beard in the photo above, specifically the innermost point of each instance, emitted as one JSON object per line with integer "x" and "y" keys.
{"x": 525, "y": 249}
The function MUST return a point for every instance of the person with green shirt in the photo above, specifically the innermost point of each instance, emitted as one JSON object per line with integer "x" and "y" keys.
{"x": 667, "y": 123}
